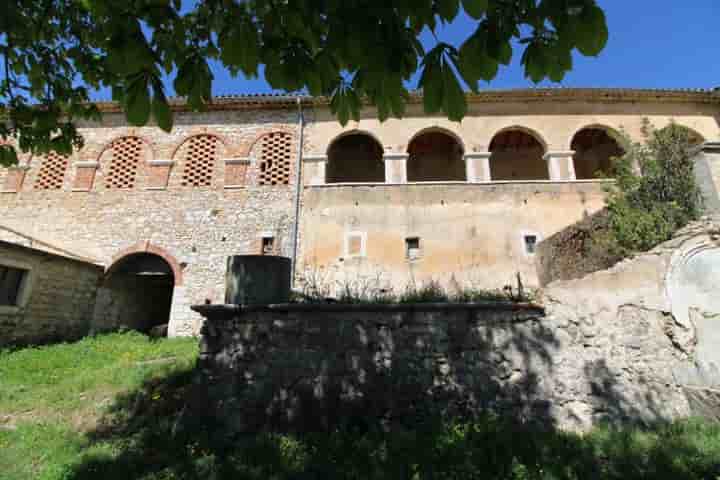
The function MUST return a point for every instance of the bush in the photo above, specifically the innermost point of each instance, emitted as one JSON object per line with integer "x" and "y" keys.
{"x": 655, "y": 193}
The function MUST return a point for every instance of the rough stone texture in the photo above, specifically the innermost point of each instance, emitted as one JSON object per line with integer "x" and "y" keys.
{"x": 612, "y": 347}
{"x": 571, "y": 253}
{"x": 56, "y": 300}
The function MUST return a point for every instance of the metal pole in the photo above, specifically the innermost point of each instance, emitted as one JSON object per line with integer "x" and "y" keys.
{"x": 298, "y": 190}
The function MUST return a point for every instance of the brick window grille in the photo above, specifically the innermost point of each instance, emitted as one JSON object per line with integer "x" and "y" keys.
{"x": 52, "y": 172}
{"x": 275, "y": 159}
{"x": 200, "y": 157}
{"x": 126, "y": 155}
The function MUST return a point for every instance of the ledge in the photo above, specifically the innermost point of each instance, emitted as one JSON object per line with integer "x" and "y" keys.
{"x": 488, "y": 183}
{"x": 226, "y": 310}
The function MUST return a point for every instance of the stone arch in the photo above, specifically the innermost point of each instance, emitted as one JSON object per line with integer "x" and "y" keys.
{"x": 246, "y": 148}
{"x": 147, "y": 247}
{"x": 129, "y": 168}
{"x": 435, "y": 154}
{"x": 595, "y": 146}
{"x": 517, "y": 153}
{"x": 355, "y": 156}
{"x": 198, "y": 160}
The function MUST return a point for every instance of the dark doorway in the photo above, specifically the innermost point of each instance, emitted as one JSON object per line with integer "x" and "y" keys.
{"x": 138, "y": 291}
{"x": 435, "y": 156}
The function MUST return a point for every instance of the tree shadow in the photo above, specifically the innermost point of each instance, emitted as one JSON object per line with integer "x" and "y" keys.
{"x": 383, "y": 399}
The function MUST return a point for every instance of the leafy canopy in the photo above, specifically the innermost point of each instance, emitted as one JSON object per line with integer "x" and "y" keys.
{"x": 54, "y": 52}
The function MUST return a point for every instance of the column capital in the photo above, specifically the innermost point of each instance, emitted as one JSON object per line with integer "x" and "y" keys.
{"x": 558, "y": 154}
{"x": 389, "y": 156}
{"x": 237, "y": 161}
{"x": 161, "y": 163}
{"x": 315, "y": 157}
{"x": 87, "y": 164}
{"x": 707, "y": 147}
{"x": 470, "y": 155}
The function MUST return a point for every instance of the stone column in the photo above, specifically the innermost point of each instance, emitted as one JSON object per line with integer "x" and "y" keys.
{"x": 315, "y": 169}
{"x": 15, "y": 178}
{"x": 236, "y": 172}
{"x": 395, "y": 167}
{"x": 159, "y": 174}
{"x": 477, "y": 167}
{"x": 560, "y": 165}
{"x": 84, "y": 176}
{"x": 707, "y": 174}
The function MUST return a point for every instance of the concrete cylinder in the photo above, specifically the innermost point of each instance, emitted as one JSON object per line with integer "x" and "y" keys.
{"x": 257, "y": 279}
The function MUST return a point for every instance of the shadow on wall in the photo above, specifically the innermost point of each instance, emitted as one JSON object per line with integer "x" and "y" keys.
{"x": 318, "y": 369}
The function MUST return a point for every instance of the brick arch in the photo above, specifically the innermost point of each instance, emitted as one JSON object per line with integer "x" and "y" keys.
{"x": 152, "y": 148}
{"x": 246, "y": 148}
{"x": 223, "y": 140}
{"x": 147, "y": 247}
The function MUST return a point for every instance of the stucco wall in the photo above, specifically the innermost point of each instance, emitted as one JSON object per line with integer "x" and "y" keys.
{"x": 56, "y": 299}
{"x": 635, "y": 343}
{"x": 470, "y": 233}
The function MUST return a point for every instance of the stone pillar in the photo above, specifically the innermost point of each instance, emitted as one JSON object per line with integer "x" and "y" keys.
{"x": 395, "y": 167}
{"x": 159, "y": 174}
{"x": 315, "y": 169}
{"x": 706, "y": 158}
{"x": 84, "y": 176}
{"x": 236, "y": 172}
{"x": 15, "y": 178}
{"x": 560, "y": 165}
{"x": 477, "y": 167}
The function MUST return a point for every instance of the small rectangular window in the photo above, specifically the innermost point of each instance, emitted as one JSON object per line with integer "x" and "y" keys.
{"x": 354, "y": 245}
{"x": 11, "y": 281}
{"x": 268, "y": 246}
{"x": 412, "y": 247}
{"x": 530, "y": 244}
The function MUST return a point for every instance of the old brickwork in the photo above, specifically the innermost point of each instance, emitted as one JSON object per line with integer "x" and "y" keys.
{"x": 199, "y": 219}
{"x": 57, "y": 297}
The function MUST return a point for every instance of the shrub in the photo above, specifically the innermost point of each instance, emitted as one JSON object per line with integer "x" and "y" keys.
{"x": 655, "y": 193}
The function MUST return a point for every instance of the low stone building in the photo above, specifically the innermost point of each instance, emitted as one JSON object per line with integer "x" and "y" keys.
{"x": 397, "y": 202}
{"x": 44, "y": 295}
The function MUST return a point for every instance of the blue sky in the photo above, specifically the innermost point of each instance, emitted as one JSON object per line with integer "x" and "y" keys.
{"x": 653, "y": 44}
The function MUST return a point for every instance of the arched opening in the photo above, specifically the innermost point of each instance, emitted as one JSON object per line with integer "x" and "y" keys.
{"x": 693, "y": 138}
{"x": 435, "y": 156}
{"x": 356, "y": 157}
{"x": 137, "y": 292}
{"x": 594, "y": 150}
{"x": 517, "y": 155}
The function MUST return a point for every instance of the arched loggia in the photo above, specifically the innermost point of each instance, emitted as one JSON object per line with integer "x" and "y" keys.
{"x": 435, "y": 155}
{"x": 355, "y": 158}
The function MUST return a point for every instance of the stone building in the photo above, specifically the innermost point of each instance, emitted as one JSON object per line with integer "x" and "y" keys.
{"x": 396, "y": 203}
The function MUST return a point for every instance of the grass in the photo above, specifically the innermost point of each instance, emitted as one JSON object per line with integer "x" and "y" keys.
{"x": 132, "y": 395}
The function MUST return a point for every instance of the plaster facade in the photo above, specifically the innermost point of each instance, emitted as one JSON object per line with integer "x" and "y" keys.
{"x": 223, "y": 182}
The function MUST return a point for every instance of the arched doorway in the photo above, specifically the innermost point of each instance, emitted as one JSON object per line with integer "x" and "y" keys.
{"x": 137, "y": 292}
{"x": 435, "y": 156}
{"x": 356, "y": 157}
{"x": 517, "y": 155}
{"x": 594, "y": 150}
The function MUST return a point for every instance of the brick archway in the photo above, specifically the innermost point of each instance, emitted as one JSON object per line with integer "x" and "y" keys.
{"x": 147, "y": 247}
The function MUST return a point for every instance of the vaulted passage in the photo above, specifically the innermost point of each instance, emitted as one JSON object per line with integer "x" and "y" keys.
{"x": 594, "y": 150}
{"x": 137, "y": 293}
{"x": 517, "y": 155}
{"x": 355, "y": 158}
{"x": 435, "y": 156}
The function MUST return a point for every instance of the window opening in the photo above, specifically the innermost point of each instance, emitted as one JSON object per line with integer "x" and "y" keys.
{"x": 11, "y": 281}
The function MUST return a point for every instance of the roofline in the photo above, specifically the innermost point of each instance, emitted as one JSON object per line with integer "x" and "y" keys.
{"x": 599, "y": 95}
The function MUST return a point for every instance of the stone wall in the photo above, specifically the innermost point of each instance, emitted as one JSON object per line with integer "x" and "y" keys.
{"x": 635, "y": 343}
{"x": 197, "y": 226}
{"x": 469, "y": 234}
{"x": 56, "y": 298}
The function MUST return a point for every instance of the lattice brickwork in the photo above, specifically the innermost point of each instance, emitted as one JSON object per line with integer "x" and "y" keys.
{"x": 275, "y": 159}
{"x": 126, "y": 155}
{"x": 200, "y": 157}
{"x": 52, "y": 172}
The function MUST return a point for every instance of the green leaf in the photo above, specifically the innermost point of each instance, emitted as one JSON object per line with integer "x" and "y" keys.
{"x": 592, "y": 34}
{"x": 8, "y": 156}
{"x": 161, "y": 111}
{"x": 475, "y": 8}
{"x": 431, "y": 82}
{"x": 448, "y": 9}
{"x": 137, "y": 101}
{"x": 454, "y": 101}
